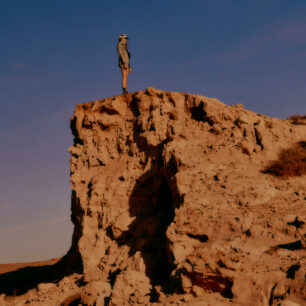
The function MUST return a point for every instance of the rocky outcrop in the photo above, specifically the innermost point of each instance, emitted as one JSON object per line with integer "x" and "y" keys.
{"x": 169, "y": 201}
{"x": 170, "y": 204}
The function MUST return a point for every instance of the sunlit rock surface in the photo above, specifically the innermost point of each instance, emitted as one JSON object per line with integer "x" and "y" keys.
{"x": 170, "y": 205}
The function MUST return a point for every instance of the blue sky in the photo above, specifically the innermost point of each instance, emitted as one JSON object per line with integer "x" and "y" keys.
{"x": 56, "y": 54}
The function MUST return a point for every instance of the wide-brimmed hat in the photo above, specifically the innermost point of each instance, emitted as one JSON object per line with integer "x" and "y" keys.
{"x": 123, "y": 36}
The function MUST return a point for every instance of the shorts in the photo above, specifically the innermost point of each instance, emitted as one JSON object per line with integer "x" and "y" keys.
{"x": 120, "y": 64}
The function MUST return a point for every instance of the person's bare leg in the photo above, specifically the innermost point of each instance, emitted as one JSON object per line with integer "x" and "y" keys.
{"x": 125, "y": 73}
{"x": 123, "y": 80}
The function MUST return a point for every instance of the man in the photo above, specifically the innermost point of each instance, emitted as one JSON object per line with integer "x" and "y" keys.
{"x": 124, "y": 60}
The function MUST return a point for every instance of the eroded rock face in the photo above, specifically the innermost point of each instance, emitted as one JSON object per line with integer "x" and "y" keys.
{"x": 170, "y": 204}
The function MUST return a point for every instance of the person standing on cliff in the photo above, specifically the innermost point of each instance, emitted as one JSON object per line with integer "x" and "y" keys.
{"x": 124, "y": 60}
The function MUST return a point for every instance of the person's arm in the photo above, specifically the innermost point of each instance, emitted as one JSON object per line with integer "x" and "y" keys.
{"x": 130, "y": 68}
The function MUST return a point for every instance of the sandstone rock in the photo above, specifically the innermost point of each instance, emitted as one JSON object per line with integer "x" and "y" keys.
{"x": 2, "y": 299}
{"x": 170, "y": 204}
{"x": 290, "y": 303}
{"x": 95, "y": 293}
{"x": 156, "y": 179}
{"x": 45, "y": 286}
{"x": 131, "y": 287}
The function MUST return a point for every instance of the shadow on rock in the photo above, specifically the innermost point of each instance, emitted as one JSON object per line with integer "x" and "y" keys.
{"x": 152, "y": 202}
{"x": 20, "y": 281}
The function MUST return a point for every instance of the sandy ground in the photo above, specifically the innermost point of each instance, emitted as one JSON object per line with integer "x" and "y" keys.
{"x": 5, "y": 268}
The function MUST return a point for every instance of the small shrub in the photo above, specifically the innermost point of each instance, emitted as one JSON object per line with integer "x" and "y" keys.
{"x": 297, "y": 119}
{"x": 291, "y": 162}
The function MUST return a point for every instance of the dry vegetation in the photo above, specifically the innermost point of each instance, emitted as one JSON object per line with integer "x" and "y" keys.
{"x": 297, "y": 119}
{"x": 291, "y": 162}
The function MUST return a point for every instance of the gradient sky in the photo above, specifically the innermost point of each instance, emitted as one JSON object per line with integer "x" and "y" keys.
{"x": 56, "y": 54}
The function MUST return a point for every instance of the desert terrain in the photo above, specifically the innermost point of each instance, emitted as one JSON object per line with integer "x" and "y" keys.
{"x": 177, "y": 199}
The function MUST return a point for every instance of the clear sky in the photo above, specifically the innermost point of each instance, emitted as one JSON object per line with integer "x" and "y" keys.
{"x": 56, "y": 54}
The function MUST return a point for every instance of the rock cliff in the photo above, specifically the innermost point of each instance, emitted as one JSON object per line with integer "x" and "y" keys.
{"x": 171, "y": 204}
